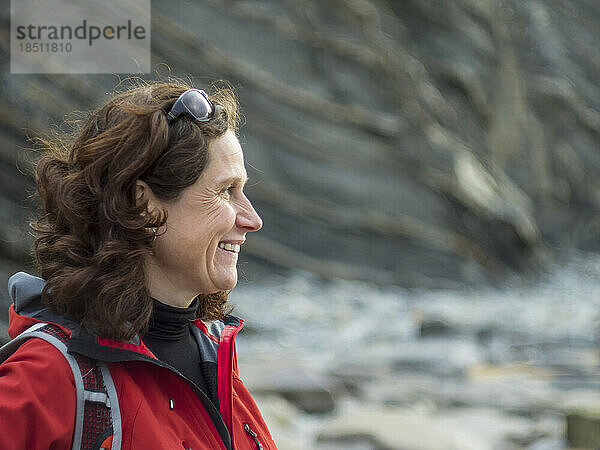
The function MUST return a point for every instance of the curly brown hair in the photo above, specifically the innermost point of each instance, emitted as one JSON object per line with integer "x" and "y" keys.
{"x": 92, "y": 235}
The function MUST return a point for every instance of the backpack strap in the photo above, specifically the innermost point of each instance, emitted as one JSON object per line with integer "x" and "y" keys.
{"x": 97, "y": 414}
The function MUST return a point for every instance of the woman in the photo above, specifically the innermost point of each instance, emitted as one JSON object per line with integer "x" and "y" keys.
{"x": 129, "y": 341}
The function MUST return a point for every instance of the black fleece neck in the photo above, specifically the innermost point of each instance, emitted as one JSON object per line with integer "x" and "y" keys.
{"x": 170, "y": 323}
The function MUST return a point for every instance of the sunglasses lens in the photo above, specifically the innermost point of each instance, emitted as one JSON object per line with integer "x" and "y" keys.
{"x": 195, "y": 102}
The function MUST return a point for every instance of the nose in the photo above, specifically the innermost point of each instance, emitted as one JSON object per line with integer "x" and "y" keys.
{"x": 247, "y": 218}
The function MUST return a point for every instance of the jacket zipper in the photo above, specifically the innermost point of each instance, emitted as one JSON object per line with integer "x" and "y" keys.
{"x": 224, "y": 373}
{"x": 254, "y": 436}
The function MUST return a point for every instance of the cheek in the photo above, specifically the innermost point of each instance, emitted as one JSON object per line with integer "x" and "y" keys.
{"x": 190, "y": 233}
{"x": 220, "y": 217}
{"x": 180, "y": 237}
{"x": 230, "y": 217}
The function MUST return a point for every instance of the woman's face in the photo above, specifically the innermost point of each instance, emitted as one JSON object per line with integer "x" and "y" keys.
{"x": 187, "y": 258}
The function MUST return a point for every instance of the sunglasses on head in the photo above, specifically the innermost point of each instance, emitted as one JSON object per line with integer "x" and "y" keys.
{"x": 194, "y": 102}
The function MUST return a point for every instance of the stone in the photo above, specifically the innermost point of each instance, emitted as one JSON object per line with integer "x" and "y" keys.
{"x": 510, "y": 388}
{"x": 439, "y": 356}
{"x": 429, "y": 327}
{"x": 519, "y": 395}
{"x": 583, "y": 429}
{"x": 309, "y": 391}
{"x": 548, "y": 444}
{"x": 388, "y": 428}
{"x": 290, "y": 429}
{"x": 396, "y": 428}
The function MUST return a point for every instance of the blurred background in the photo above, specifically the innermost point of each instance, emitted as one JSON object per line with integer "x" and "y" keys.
{"x": 427, "y": 274}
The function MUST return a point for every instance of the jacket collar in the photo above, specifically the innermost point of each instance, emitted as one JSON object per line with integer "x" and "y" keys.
{"x": 27, "y": 309}
{"x": 108, "y": 350}
{"x": 111, "y": 350}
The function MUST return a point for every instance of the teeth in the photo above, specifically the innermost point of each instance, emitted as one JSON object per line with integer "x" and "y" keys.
{"x": 231, "y": 247}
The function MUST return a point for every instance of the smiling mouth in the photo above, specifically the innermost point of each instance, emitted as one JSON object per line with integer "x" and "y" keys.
{"x": 232, "y": 248}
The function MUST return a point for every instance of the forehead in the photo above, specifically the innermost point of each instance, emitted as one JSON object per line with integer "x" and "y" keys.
{"x": 225, "y": 158}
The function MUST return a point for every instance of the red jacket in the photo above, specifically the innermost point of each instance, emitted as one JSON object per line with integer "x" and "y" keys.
{"x": 159, "y": 408}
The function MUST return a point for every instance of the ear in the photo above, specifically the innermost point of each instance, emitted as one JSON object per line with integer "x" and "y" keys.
{"x": 143, "y": 194}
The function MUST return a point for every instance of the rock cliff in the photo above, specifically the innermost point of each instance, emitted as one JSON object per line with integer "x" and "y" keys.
{"x": 414, "y": 142}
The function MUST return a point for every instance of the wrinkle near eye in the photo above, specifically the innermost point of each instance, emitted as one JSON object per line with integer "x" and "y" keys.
{"x": 205, "y": 198}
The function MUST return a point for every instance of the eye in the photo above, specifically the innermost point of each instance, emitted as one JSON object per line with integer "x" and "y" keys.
{"x": 227, "y": 190}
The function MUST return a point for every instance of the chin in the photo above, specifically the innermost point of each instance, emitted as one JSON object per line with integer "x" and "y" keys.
{"x": 226, "y": 283}
{"x": 228, "y": 286}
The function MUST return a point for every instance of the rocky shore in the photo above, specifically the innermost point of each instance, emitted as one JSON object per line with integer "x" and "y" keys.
{"x": 339, "y": 365}
{"x": 348, "y": 365}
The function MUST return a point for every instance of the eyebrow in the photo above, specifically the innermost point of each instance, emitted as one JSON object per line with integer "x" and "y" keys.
{"x": 234, "y": 178}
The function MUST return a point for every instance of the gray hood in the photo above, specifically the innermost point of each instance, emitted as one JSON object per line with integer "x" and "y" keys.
{"x": 25, "y": 291}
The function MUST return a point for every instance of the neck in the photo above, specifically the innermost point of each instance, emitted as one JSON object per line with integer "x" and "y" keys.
{"x": 175, "y": 304}
{"x": 166, "y": 290}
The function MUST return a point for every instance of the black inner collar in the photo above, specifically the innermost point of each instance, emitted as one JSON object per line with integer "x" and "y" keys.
{"x": 171, "y": 323}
